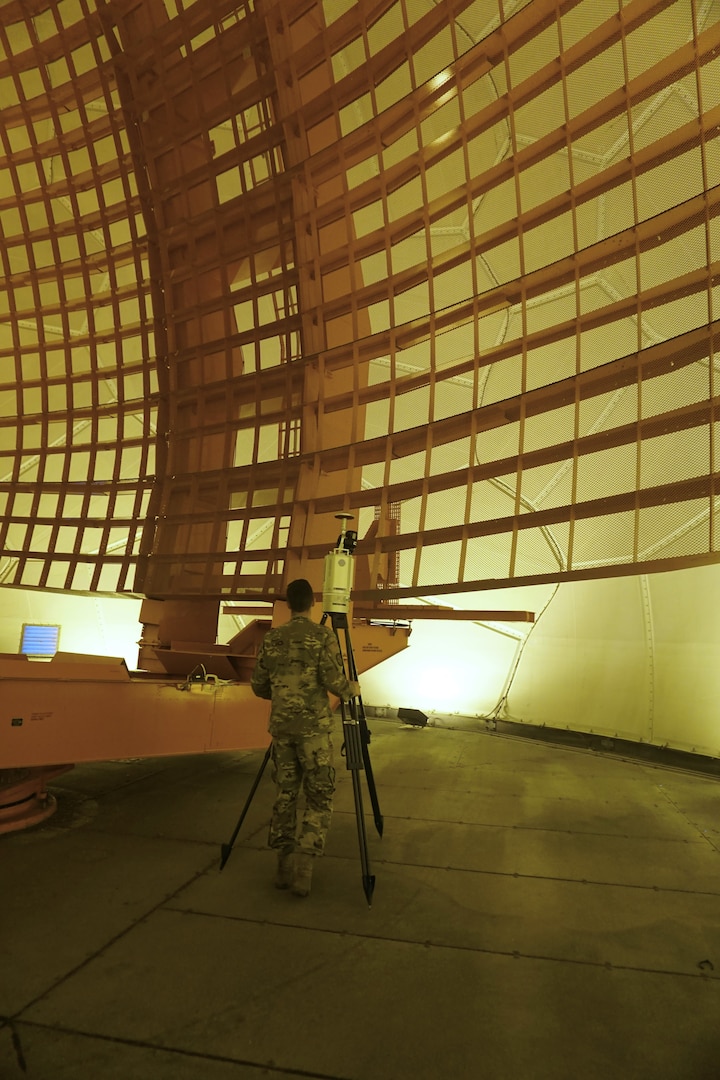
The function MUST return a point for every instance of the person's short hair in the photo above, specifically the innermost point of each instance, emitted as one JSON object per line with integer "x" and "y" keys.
{"x": 300, "y": 595}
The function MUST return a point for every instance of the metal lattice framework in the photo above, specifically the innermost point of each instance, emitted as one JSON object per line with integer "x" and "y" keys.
{"x": 265, "y": 262}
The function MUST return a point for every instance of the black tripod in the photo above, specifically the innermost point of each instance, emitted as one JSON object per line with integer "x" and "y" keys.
{"x": 357, "y": 756}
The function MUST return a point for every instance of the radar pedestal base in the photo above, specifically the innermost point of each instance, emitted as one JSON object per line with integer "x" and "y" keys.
{"x": 24, "y": 800}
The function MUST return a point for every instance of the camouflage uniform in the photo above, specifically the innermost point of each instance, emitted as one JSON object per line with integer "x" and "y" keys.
{"x": 297, "y": 665}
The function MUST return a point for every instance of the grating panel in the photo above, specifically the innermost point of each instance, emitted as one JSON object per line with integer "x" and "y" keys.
{"x": 453, "y": 268}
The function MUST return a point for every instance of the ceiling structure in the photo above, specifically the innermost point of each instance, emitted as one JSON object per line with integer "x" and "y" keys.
{"x": 450, "y": 266}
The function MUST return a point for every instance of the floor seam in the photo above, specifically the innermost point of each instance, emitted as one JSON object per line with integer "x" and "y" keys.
{"x": 143, "y": 1044}
{"x": 107, "y": 944}
{"x": 703, "y": 834}
{"x": 515, "y": 954}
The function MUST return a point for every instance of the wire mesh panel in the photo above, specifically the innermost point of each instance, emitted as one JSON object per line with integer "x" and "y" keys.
{"x": 78, "y": 381}
{"x": 451, "y": 267}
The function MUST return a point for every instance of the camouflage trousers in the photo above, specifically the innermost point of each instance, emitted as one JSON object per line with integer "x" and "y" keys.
{"x": 302, "y": 763}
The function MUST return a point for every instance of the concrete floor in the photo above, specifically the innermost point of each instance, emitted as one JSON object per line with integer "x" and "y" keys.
{"x": 539, "y": 912}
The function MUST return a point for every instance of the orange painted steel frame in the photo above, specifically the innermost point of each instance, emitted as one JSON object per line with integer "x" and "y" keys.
{"x": 90, "y": 709}
{"x": 268, "y": 261}
{"x": 85, "y": 720}
{"x": 450, "y": 267}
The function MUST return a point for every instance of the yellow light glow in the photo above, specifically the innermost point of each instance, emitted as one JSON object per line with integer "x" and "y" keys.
{"x": 449, "y": 668}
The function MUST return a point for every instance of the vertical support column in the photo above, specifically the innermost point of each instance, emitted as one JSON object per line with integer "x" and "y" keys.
{"x": 286, "y": 36}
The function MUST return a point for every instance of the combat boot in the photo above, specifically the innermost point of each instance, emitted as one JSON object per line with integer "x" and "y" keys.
{"x": 284, "y": 875}
{"x": 302, "y": 877}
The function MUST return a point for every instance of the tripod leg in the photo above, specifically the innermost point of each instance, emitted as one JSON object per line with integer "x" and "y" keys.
{"x": 356, "y": 737}
{"x": 372, "y": 790}
{"x": 364, "y": 739}
{"x": 354, "y": 756}
{"x": 227, "y": 848}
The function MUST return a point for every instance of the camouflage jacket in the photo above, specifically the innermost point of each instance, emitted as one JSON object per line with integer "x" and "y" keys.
{"x": 298, "y": 663}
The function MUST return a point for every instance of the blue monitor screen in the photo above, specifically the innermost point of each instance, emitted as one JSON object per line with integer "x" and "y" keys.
{"x": 39, "y": 640}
